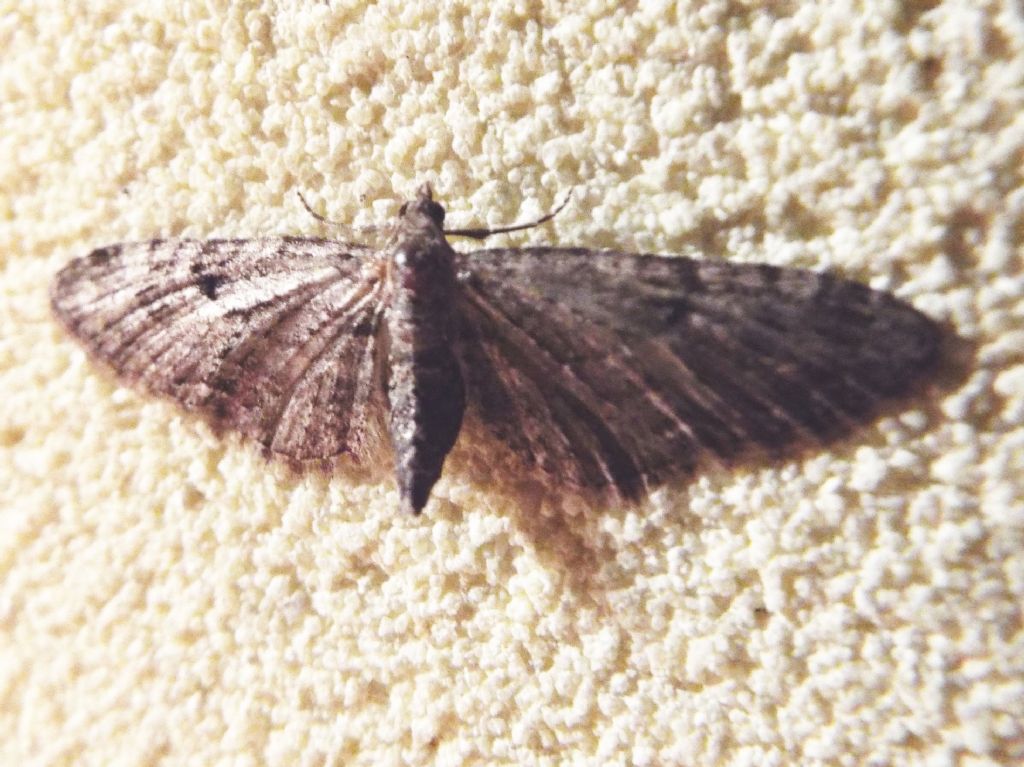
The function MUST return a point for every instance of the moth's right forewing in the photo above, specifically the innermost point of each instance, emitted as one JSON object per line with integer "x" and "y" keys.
{"x": 273, "y": 338}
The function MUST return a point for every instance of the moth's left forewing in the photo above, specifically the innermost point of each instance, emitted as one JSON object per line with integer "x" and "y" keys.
{"x": 627, "y": 368}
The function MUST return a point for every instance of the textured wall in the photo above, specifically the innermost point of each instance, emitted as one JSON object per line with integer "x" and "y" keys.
{"x": 165, "y": 594}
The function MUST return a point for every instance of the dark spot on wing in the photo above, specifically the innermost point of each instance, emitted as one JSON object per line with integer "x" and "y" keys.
{"x": 225, "y": 385}
{"x": 101, "y": 256}
{"x": 365, "y": 327}
{"x": 208, "y": 284}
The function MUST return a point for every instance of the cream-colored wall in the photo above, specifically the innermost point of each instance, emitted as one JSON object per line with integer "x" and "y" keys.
{"x": 164, "y": 594}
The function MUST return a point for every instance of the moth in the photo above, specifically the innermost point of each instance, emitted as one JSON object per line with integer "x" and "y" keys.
{"x": 605, "y": 371}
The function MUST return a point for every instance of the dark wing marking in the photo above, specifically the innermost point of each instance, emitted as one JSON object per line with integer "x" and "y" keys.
{"x": 275, "y": 338}
{"x": 613, "y": 370}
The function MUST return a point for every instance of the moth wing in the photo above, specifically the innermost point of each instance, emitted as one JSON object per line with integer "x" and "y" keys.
{"x": 273, "y": 338}
{"x": 614, "y": 371}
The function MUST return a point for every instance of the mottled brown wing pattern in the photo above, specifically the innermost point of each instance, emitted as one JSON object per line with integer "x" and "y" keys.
{"x": 619, "y": 389}
{"x": 272, "y": 338}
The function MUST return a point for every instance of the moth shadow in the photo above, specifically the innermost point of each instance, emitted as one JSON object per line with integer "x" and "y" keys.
{"x": 575, "y": 532}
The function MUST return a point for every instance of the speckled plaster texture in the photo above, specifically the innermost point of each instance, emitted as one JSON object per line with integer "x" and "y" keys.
{"x": 167, "y": 597}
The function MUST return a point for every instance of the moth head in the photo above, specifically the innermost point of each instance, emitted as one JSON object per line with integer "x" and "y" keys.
{"x": 423, "y": 204}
